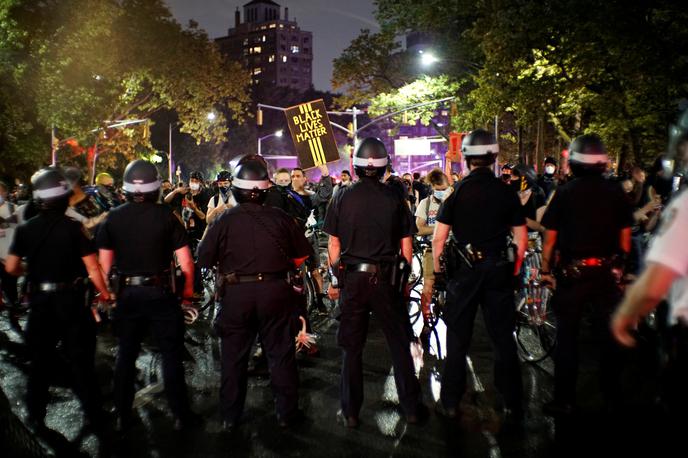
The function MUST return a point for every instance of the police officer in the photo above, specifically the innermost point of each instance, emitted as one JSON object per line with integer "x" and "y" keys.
{"x": 665, "y": 276}
{"x": 368, "y": 226}
{"x": 588, "y": 221}
{"x": 255, "y": 247}
{"x": 481, "y": 212}
{"x": 60, "y": 256}
{"x": 139, "y": 237}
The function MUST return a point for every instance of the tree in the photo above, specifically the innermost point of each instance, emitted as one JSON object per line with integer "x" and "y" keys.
{"x": 371, "y": 65}
{"x": 81, "y": 65}
{"x": 422, "y": 90}
{"x": 553, "y": 69}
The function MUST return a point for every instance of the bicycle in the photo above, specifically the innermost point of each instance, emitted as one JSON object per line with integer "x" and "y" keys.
{"x": 535, "y": 330}
{"x": 431, "y": 337}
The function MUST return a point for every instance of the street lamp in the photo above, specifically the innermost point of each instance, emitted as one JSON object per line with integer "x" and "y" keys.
{"x": 278, "y": 133}
{"x": 211, "y": 116}
{"x": 427, "y": 59}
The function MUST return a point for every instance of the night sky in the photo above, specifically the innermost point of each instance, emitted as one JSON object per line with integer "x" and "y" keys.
{"x": 334, "y": 24}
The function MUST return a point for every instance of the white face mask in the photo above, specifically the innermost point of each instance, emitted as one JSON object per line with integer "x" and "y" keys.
{"x": 439, "y": 195}
{"x": 195, "y": 186}
{"x": 550, "y": 169}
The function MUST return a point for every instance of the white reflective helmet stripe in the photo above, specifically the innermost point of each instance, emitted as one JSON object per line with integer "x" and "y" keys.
{"x": 141, "y": 187}
{"x": 602, "y": 158}
{"x": 249, "y": 185}
{"x": 480, "y": 150}
{"x": 370, "y": 162}
{"x": 50, "y": 193}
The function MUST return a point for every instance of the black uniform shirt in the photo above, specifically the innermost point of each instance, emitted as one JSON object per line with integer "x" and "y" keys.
{"x": 370, "y": 220}
{"x": 53, "y": 245}
{"x": 481, "y": 211}
{"x": 143, "y": 237}
{"x": 250, "y": 239}
{"x": 588, "y": 214}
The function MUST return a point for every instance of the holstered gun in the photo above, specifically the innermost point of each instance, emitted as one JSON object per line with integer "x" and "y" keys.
{"x": 114, "y": 279}
{"x": 399, "y": 274}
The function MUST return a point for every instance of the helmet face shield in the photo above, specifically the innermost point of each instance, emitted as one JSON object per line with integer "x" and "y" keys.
{"x": 370, "y": 159}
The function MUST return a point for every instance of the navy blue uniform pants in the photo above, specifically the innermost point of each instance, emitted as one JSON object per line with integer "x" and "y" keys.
{"x": 489, "y": 284}
{"x": 143, "y": 309}
{"x": 363, "y": 293}
{"x": 61, "y": 318}
{"x": 264, "y": 308}
{"x": 596, "y": 291}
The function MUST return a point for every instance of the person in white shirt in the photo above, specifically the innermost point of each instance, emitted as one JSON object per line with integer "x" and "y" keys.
{"x": 223, "y": 200}
{"x": 665, "y": 276}
{"x": 426, "y": 214}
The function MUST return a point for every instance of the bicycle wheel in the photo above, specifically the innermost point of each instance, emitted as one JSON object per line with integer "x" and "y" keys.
{"x": 535, "y": 341}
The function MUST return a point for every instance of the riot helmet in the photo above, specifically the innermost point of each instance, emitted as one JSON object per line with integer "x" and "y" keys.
{"x": 51, "y": 190}
{"x": 370, "y": 159}
{"x": 251, "y": 182}
{"x": 479, "y": 148}
{"x": 141, "y": 182}
{"x": 588, "y": 155}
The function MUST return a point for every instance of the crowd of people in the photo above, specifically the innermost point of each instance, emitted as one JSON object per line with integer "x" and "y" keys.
{"x": 145, "y": 242}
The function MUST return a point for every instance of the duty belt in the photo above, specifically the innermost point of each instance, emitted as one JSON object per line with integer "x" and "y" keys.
{"x": 234, "y": 279}
{"x": 575, "y": 267}
{"x": 143, "y": 280}
{"x": 590, "y": 262}
{"x": 363, "y": 267}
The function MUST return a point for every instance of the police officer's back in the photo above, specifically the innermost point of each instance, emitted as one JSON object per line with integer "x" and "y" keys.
{"x": 588, "y": 222}
{"x": 60, "y": 258}
{"x": 369, "y": 225}
{"x": 255, "y": 247}
{"x": 481, "y": 213}
{"x": 140, "y": 237}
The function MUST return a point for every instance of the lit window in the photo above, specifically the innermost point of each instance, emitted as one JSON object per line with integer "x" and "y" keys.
{"x": 284, "y": 58}
{"x": 256, "y": 50}
{"x": 245, "y": 41}
{"x": 257, "y": 71}
{"x": 272, "y": 26}
{"x": 294, "y": 49}
{"x": 264, "y": 38}
{"x": 281, "y": 26}
{"x": 271, "y": 58}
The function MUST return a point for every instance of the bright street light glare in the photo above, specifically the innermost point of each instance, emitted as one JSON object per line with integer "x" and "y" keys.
{"x": 278, "y": 133}
{"x": 428, "y": 59}
{"x": 211, "y": 116}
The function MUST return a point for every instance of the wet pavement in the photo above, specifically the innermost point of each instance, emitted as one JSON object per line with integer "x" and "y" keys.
{"x": 638, "y": 427}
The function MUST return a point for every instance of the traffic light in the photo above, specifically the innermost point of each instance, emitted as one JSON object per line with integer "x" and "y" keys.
{"x": 259, "y": 117}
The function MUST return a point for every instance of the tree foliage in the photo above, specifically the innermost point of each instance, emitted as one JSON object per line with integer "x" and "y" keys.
{"x": 616, "y": 68}
{"x": 81, "y": 65}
